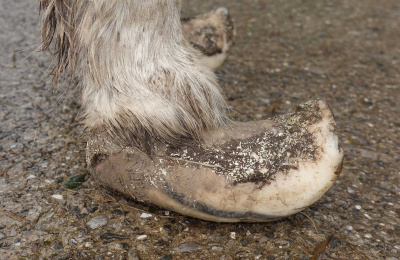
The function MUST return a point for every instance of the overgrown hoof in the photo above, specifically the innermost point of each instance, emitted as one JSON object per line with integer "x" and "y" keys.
{"x": 257, "y": 171}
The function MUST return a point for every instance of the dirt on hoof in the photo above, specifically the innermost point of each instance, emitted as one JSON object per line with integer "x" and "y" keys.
{"x": 286, "y": 52}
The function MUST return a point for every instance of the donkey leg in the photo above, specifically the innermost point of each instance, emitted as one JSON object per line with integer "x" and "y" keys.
{"x": 157, "y": 124}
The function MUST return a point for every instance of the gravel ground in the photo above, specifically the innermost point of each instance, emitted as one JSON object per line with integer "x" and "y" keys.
{"x": 287, "y": 52}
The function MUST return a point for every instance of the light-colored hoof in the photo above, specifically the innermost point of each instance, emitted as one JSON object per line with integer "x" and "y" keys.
{"x": 212, "y": 34}
{"x": 257, "y": 171}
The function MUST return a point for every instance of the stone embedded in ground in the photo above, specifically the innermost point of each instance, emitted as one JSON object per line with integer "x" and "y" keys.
{"x": 217, "y": 248}
{"x": 145, "y": 215}
{"x": 97, "y": 222}
{"x": 57, "y": 246}
{"x": 13, "y": 233}
{"x": 188, "y": 247}
{"x": 57, "y": 196}
{"x": 141, "y": 237}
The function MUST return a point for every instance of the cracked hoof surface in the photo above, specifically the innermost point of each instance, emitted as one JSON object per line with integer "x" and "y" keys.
{"x": 253, "y": 172}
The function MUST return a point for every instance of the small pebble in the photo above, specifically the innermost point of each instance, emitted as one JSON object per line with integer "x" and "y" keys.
{"x": 97, "y": 222}
{"x": 117, "y": 212}
{"x": 188, "y": 247}
{"x": 145, "y": 215}
{"x": 82, "y": 231}
{"x": 263, "y": 240}
{"x": 233, "y": 235}
{"x": 141, "y": 237}
{"x": 217, "y": 248}
{"x": 230, "y": 243}
{"x": 57, "y": 196}
{"x": 13, "y": 233}
{"x": 75, "y": 209}
{"x": 2, "y": 236}
{"x": 244, "y": 242}
{"x": 93, "y": 210}
{"x": 349, "y": 228}
{"x": 57, "y": 246}
{"x": 117, "y": 226}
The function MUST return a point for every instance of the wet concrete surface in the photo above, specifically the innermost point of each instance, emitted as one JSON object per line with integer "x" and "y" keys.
{"x": 286, "y": 52}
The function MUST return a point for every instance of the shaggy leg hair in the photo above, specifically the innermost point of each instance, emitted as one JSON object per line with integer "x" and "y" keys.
{"x": 142, "y": 81}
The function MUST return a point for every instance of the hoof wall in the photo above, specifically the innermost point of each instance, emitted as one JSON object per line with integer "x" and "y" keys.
{"x": 257, "y": 171}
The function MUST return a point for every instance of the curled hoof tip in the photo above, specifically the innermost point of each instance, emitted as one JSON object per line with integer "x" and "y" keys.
{"x": 252, "y": 172}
